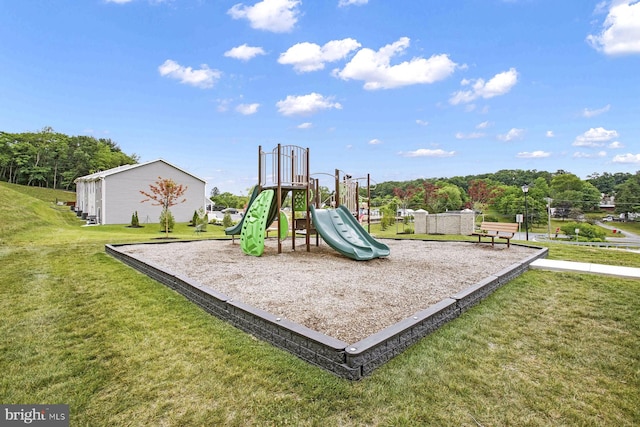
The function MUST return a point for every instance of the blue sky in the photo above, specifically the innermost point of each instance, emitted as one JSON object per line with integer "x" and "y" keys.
{"x": 398, "y": 89}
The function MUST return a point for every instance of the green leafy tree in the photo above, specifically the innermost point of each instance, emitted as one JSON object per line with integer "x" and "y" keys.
{"x": 628, "y": 195}
{"x": 165, "y": 193}
{"x": 229, "y": 200}
{"x": 51, "y": 159}
{"x": 607, "y": 182}
{"x": 449, "y": 198}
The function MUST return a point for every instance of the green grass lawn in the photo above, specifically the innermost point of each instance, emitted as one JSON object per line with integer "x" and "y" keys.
{"x": 80, "y": 328}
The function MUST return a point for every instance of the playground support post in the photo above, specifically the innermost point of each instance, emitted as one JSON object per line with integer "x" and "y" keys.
{"x": 369, "y": 203}
{"x": 307, "y": 184}
{"x": 279, "y": 197}
{"x": 337, "y": 197}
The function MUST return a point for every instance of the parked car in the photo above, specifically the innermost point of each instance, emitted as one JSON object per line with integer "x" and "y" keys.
{"x": 607, "y": 218}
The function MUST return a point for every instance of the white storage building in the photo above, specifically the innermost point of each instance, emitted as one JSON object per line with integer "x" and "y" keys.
{"x": 113, "y": 195}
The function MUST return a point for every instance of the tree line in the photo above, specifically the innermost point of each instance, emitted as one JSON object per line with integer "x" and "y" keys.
{"x": 54, "y": 160}
{"x": 502, "y": 193}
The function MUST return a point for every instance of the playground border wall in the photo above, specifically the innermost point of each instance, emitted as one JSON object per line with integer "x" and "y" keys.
{"x": 350, "y": 361}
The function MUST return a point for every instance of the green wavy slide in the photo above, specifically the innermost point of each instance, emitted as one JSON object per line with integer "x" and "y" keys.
{"x": 342, "y": 232}
{"x": 254, "y": 224}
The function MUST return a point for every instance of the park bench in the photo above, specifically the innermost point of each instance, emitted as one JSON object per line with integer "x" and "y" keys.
{"x": 502, "y": 230}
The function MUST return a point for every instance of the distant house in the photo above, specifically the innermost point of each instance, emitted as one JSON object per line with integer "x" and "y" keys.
{"x": 112, "y": 196}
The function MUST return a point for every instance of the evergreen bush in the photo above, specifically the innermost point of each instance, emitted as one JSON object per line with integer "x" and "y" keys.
{"x": 226, "y": 220}
{"x": 167, "y": 221}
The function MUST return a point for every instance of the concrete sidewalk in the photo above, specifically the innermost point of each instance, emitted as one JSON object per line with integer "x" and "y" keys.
{"x": 584, "y": 267}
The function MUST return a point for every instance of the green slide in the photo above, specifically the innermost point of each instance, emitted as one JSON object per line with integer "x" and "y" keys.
{"x": 234, "y": 230}
{"x": 344, "y": 233}
{"x": 254, "y": 224}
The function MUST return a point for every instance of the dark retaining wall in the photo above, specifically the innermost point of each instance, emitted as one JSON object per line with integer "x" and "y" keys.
{"x": 352, "y": 361}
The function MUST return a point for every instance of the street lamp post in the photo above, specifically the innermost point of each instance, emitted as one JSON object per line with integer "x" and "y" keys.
{"x": 525, "y": 190}
{"x": 549, "y": 216}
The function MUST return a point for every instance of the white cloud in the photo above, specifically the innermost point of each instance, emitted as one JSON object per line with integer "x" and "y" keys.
{"x": 307, "y": 57}
{"x": 498, "y": 85}
{"x": 422, "y": 122}
{"x": 205, "y": 77}
{"x": 472, "y": 135}
{"x": 344, "y": 3}
{"x": 483, "y": 125}
{"x": 580, "y": 155}
{"x": 514, "y": 133}
{"x": 591, "y": 113}
{"x": 305, "y": 125}
{"x": 615, "y": 144}
{"x": 244, "y": 52}
{"x": 533, "y": 154}
{"x": 627, "y": 158}
{"x": 247, "y": 109}
{"x": 375, "y": 69}
{"x": 306, "y": 104}
{"x": 621, "y": 29}
{"x": 550, "y": 134}
{"x": 375, "y": 141}
{"x": 278, "y": 16}
{"x": 425, "y": 152}
{"x": 595, "y": 137}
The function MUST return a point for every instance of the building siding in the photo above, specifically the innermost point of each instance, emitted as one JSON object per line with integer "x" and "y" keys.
{"x": 113, "y": 196}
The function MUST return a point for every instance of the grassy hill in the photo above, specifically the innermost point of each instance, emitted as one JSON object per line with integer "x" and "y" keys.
{"x": 80, "y": 328}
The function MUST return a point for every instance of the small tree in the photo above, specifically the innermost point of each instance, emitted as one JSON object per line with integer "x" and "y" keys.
{"x": 226, "y": 220}
{"x": 135, "y": 222}
{"x": 167, "y": 220}
{"x": 202, "y": 219}
{"x": 166, "y": 193}
{"x": 388, "y": 217}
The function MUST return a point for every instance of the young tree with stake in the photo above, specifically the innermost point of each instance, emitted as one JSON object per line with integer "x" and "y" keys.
{"x": 166, "y": 193}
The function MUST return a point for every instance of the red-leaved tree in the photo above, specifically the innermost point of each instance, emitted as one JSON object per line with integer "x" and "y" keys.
{"x": 166, "y": 193}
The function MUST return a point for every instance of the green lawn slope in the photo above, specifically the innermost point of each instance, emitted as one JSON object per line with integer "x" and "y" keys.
{"x": 80, "y": 328}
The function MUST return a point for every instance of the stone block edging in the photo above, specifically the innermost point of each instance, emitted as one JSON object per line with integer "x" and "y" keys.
{"x": 350, "y": 361}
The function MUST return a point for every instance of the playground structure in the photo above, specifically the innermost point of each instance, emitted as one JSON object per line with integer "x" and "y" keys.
{"x": 286, "y": 170}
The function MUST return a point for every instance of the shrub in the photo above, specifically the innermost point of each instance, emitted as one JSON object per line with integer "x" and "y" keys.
{"x": 226, "y": 220}
{"x": 167, "y": 221}
{"x": 195, "y": 218}
{"x": 588, "y": 232}
{"x": 134, "y": 220}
